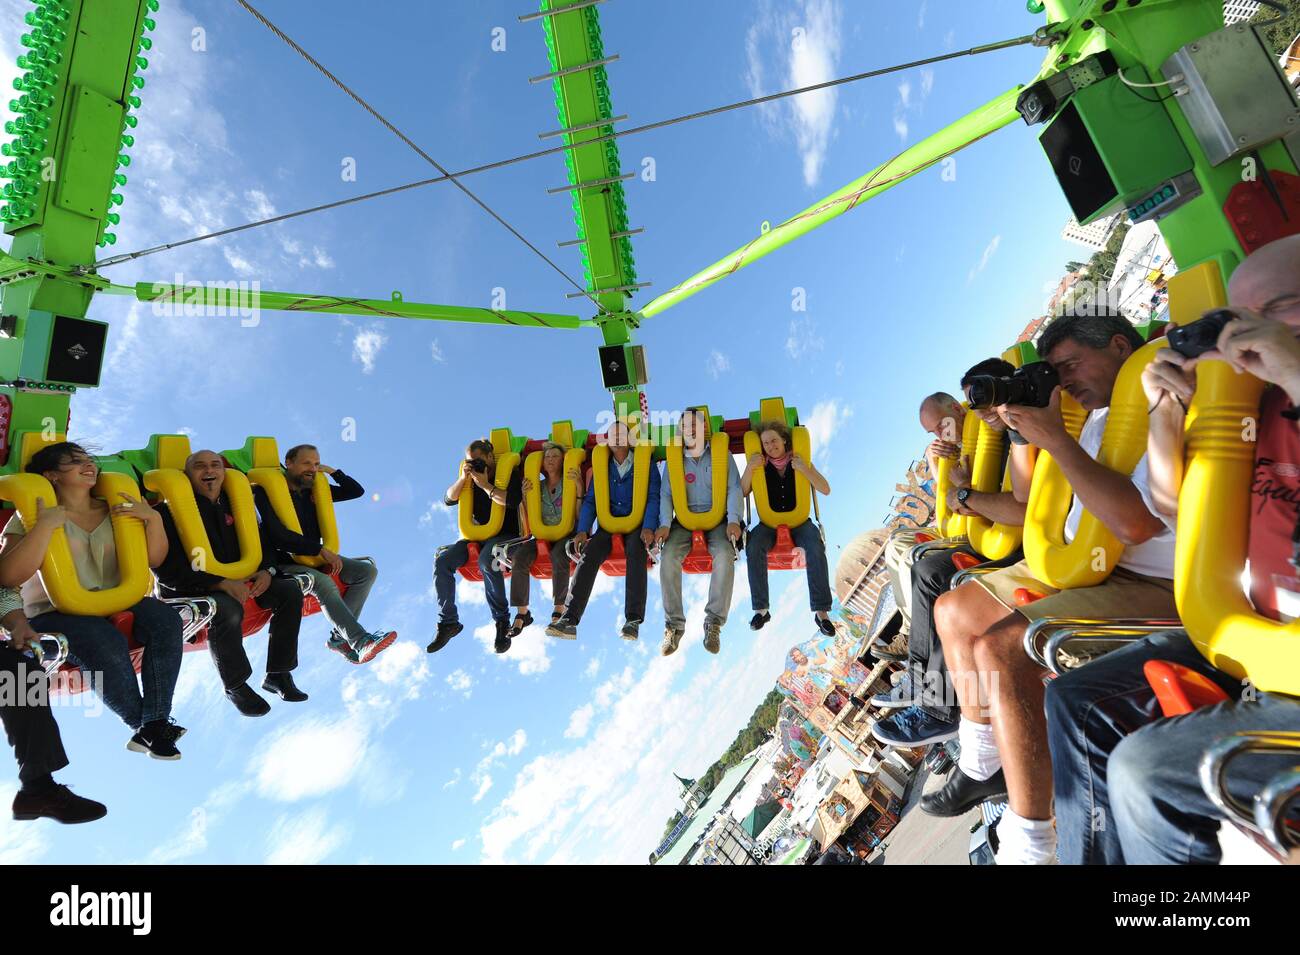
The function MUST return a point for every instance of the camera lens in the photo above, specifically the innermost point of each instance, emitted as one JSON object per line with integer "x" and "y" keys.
{"x": 985, "y": 391}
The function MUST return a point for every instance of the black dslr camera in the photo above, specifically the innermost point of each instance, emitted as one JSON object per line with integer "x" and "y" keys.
{"x": 1030, "y": 385}
{"x": 1196, "y": 338}
{"x": 478, "y": 464}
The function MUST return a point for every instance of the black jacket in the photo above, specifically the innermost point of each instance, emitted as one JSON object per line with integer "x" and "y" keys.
{"x": 284, "y": 543}
{"x": 177, "y": 574}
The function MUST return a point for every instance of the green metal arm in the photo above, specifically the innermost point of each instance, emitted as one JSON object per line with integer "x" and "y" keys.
{"x": 987, "y": 119}
{"x": 233, "y": 298}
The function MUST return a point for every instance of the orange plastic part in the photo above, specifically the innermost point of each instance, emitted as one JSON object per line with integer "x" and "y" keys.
{"x": 1023, "y": 596}
{"x": 965, "y": 561}
{"x": 1179, "y": 689}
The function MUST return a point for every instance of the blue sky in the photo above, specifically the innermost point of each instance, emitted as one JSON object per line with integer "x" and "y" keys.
{"x": 557, "y": 752}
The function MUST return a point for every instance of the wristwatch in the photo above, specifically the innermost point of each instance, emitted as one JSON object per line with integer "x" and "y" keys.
{"x": 271, "y": 570}
{"x": 962, "y": 494}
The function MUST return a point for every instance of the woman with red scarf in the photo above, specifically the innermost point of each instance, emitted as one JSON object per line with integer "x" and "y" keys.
{"x": 780, "y": 467}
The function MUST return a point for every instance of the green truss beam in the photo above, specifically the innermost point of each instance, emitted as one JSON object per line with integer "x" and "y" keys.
{"x": 989, "y": 118}
{"x": 231, "y": 298}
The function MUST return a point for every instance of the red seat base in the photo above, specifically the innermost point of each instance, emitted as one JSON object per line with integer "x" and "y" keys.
{"x": 784, "y": 555}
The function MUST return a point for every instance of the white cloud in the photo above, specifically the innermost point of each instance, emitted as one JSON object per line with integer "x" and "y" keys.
{"x": 457, "y": 845}
{"x": 803, "y": 338}
{"x": 718, "y": 364}
{"x": 910, "y": 102}
{"x": 804, "y": 41}
{"x": 920, "y": 15}
{"x": 455, "y": 778}
{"x": 605, "y": 799}
{"x": 258, "y": 206}
{"x": 304, "y": 839}
{"x": 366, "y": 346}
{"x": 989, "y": 251}
{"x": 825, "y": 420}
{"x": 310, "y": 757}
{"x": 580, "y": 722}
{"x": 496, "y": 757}
{"x": 460, "y": 682}
{"x": 528, "y": 652}
{"x": 436, "y": 351}
{"x": 192, "y": 838}
{"x": 440, "y": 516}
{"x": 404, "y": 664}
{"x": 593, "y": 668}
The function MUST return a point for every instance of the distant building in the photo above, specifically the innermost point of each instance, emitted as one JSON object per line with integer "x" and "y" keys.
{"x": 1234, "y": 11}
{"x": 1093, "y": 235}
{"x": 1143, "y": 267}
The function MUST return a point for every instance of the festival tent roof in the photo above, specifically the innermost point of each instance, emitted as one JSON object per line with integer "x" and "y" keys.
{"x": 731, "y": 781}
{"x": 758, "y": 820}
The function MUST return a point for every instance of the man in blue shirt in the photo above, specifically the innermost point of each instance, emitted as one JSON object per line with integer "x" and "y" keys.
{"x": 596, "y": 550}
{"x": 697, "y": 462}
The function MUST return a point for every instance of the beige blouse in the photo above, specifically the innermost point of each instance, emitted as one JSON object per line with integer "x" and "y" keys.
{"x": 94, "y": 555}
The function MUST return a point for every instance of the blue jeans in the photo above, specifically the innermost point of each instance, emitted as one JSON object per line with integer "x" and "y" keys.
{"x": 99, "y": 650}
{"x": 449, "y": 559}
{"x": 808, "y": 539}
{"x": 1162, "y": 815}
{"x": 1089, "y": 712}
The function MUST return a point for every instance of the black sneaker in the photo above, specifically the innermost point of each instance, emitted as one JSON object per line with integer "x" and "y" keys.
{"x": 174, "y": 729}
{"x": 825, "y": 625}
{"x": 282, "y": 685}
{"x": 759, "y": 620}
{"x": 445, "y": 632}
{"x": 155, "y": 738}
{"x": 59, "y": 803}
{"x": 503, "y": 641}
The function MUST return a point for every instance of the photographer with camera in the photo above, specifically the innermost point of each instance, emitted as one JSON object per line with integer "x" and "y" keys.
{"x": 478, "y": 476}
{"x": 1108, "y": 763}
{"x": 924, "y": 697}
{"x": 1003, "y": 731}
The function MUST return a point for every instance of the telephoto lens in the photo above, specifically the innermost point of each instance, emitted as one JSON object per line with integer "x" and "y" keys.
{"x": 986, "y": 391}
{"x": 1196, "y": 338}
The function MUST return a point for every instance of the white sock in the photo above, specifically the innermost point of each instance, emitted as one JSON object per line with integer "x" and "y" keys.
{"x": 979, "y": 751}
{"x": 1024, "y": 841}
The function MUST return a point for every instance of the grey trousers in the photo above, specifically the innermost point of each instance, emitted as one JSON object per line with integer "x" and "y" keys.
{"x": 342, "y": 611}
{"x": 674, "y": 552}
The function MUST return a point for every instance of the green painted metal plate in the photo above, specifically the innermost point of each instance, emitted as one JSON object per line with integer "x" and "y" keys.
{"x": 90, "y": 153}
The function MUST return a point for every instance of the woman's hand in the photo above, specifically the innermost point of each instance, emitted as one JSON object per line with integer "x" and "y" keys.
{"x": 49, "y": 517}
{"x": 139, "y": 510}
{"x": 755, "y": 461}
{"x": 799, "y": 464}
{"x": 526, "y": 486}
{"x": 21, "y": 634}
{"x": 573, "y": 474}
